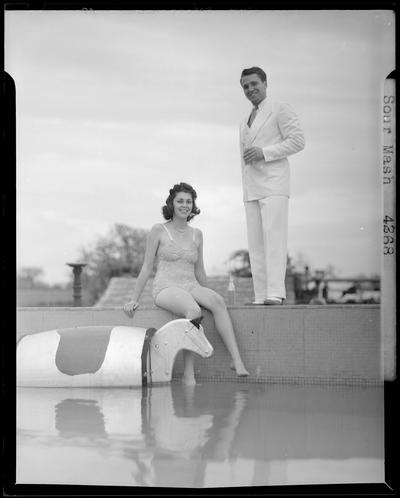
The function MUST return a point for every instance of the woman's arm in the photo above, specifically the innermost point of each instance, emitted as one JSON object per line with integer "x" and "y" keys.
{"x": 153, "y": 240}
{"x": 199, "y": 270}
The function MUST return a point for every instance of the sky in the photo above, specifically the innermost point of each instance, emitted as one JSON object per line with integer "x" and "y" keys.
{"x": 115, "y": 107}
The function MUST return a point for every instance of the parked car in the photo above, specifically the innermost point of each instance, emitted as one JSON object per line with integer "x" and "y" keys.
{"x": 350, "y": 298}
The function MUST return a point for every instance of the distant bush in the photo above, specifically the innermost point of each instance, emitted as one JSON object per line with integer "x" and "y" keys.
{"x": 120, "y": 252}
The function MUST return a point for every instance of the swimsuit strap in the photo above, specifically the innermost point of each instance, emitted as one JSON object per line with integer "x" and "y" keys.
{"x": 170, "y": 236}
{"x": 166, "y": 229}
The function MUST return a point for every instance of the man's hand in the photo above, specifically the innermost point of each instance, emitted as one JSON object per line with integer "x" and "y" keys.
{"x": 253, "y": 154}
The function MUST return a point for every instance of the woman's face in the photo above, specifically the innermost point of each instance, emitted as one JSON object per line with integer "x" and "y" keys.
{"x": 183, "y": 205}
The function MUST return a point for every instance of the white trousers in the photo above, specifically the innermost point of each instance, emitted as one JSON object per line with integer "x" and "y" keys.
{"x": 267, "y": 233}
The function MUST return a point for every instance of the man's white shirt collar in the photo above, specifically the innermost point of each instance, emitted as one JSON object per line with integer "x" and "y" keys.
{"x": 262, "y": 103}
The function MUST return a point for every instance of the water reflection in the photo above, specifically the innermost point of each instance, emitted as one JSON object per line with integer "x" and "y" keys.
{"x": 215, "y": 434}
{"x": 83, "y": 417}
{"x": 190, "y": 433}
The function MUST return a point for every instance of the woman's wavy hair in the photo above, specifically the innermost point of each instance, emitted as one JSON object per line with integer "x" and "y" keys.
{"x": 168, "y": 208}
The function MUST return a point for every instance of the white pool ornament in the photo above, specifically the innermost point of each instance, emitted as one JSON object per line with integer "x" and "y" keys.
{"x": 107, "y": 356}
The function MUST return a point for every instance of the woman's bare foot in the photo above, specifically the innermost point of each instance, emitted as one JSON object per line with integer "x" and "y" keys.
{"x": 188, "y": 380}
{"x": 239, "y": 368}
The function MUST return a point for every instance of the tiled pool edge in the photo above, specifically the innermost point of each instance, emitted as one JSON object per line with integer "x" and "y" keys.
{"x": 296, "y": 344}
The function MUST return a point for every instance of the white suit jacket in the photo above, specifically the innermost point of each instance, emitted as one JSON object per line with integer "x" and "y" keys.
{"x": 277, "y": 131}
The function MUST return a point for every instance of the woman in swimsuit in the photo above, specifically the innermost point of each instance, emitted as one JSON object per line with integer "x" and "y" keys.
{"x": 180, "y": 284}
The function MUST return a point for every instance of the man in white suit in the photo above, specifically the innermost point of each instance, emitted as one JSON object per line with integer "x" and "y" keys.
{"x": 267, "y": 137}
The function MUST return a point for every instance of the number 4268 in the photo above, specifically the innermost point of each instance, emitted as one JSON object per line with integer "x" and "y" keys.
{"x": 388, "y": 239}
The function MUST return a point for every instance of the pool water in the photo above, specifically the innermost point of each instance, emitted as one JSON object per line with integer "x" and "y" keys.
{"x": 210, "y": 435}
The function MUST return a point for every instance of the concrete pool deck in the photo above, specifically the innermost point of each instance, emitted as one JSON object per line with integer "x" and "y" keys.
{"x": 292, "y": 343}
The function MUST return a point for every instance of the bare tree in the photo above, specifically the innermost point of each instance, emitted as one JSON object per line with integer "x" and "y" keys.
{"x": 120, "y": 252}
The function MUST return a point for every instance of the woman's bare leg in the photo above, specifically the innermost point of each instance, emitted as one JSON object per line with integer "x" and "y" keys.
{"x": 180, "y": 302}
{"x": 215, "y": 303}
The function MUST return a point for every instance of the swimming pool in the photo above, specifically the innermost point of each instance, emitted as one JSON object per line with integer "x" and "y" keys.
{"x": 211, "y": 435}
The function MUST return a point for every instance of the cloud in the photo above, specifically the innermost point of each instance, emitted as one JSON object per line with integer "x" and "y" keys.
{"x": 115, "y": 107}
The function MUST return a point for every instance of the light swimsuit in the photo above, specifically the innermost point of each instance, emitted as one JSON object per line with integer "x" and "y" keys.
{"x": 175, "y": 266}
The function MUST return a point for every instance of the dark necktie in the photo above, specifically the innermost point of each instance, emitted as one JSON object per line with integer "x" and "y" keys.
{"x": 252, "y": 116}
